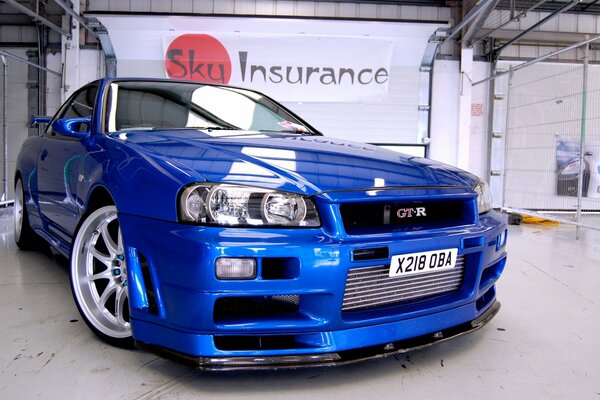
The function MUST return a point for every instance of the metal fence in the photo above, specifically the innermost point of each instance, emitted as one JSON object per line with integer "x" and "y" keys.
{"x": 551, "y": 139}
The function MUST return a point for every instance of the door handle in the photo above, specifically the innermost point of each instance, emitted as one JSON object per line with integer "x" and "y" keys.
{"x": 44, "y": 154}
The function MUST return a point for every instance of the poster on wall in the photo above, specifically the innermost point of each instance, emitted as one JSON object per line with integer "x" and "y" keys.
{"x": 288, "y": 67}
{"x": 568, "y": 155}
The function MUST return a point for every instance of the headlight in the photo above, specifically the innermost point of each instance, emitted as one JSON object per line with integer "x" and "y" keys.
{"x": 484, "y": 196}
{"x": 224, "y": 204}
{"x": 570, "y": 169}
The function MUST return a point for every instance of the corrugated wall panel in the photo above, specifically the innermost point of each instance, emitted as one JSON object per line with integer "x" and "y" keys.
{"x": 224, "y": 7}
{"x": 367, "y": 10}
{"x": 245, "y": 8}
{"x": 131, "y": 4}
{"x": 567, "y": 23}
{"x": 393, "y": 120}
{"x": 409, "y": 12}
{"x": 161, "y": 6}
{"x": 586, "y": 23}
{"x": 202, "y": 7}
{"x": 182, "y": 6}
{"x": 386, "y": 11}
{"x": 307, "y": 8}
{"x": 17, "y": 34}
{"x": 428, "y": 13}
{"x": 325, "y": 9}
{"x": 266, "y": 7}
{"x": 116, "y": 5}
{"x": 347, "y": 10}
{"x": 284, "y": 8}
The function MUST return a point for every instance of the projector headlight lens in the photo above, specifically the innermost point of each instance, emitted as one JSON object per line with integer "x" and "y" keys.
{"x": 231, "y": 205}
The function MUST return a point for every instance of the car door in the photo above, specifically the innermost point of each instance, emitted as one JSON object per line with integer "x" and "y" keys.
{"x": 59, "y": 165}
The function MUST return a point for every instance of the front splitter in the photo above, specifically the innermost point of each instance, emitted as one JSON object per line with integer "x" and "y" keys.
{"x": 325, "y": 359}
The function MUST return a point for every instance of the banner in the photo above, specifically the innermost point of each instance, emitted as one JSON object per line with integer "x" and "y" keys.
{"x": 296, "y": 68}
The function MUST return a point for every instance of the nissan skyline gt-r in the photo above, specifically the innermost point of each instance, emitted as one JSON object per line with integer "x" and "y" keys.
{"x": 211, "y": 225}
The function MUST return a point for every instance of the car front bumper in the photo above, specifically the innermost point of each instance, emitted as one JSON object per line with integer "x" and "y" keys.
{"x": 325, "y": 359}
{"x": 175, "y": 297}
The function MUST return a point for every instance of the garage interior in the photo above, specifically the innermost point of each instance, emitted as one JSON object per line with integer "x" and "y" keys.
{"x": 506, "y": 89}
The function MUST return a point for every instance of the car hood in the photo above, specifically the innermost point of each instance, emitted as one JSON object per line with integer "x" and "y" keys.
{"x": 292, "y": 162}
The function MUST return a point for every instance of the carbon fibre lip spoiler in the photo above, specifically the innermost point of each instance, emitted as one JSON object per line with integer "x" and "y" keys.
{"x": 325, "y": 359}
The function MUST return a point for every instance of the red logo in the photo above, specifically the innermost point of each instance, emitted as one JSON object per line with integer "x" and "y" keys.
{"x": 198, "y": 57}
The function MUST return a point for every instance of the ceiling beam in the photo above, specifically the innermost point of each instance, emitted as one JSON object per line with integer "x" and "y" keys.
{"x": 472, "y": 15}
{"x": 496, "y": 52}
{"x": 478, "y": 23}
{"x": 539, "y": 59}
{"x": 514, "y": 18}
{"x": 69, "y": 10}
{"x": 38, "y": 18}
{"x": 537, "y": 37}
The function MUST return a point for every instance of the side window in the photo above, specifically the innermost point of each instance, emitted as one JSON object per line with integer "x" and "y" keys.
{"x": 81, "y": 104}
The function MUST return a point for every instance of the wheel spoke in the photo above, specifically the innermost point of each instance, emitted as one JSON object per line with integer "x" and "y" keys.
{"x": 103, "y": 258}
{"x": 106, "y": 274}
{"x": 120, "y": 247}
{"x": 108, "y": 240}
{"x": 108, "y": 291}
{"x": 121, "y": 300}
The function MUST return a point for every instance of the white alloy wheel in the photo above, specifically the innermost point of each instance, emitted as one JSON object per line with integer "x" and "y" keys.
{"x": 99, "y": 276}
{"x": 25, "y": 237}
{"x": 18, "y": 210}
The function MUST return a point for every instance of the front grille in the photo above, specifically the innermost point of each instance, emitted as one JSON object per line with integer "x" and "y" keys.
{"x": 232, "y": 309}
{"x": 409, "y": 215}
{"x": 371, "y": 287}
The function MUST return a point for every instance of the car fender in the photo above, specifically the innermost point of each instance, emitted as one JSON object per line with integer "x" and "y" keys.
{"x": 139, "y": 184}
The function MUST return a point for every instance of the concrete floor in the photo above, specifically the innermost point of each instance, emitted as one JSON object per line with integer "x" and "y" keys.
{"x": 544, "y": 344}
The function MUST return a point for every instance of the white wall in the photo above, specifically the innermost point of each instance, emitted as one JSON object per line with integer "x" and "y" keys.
{"x": 444, "y": 112}
{"x": 478, "y": 149}
{"x": 17, "y": 117}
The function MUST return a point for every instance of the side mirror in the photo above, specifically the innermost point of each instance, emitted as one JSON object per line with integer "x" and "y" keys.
{"x": 40, "y": 120}
{"x": 72, "y": 127}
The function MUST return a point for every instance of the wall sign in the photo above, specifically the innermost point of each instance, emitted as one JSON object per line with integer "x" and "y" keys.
{"x": 287, "y": 67}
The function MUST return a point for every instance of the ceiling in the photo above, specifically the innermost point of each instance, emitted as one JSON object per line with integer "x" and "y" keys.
{"x": 13, "y": 12}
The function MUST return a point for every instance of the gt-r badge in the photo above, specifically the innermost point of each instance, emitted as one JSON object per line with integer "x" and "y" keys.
{"x": 411, "y": 212}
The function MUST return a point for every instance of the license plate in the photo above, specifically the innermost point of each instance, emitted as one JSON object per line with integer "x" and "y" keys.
{"x": 423, "y": 262}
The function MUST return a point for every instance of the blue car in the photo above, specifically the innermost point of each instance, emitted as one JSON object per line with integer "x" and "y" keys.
{"x": 212, "y": 226}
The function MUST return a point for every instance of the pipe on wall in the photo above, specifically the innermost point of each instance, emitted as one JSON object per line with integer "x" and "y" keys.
{"x": 4, "y": 131}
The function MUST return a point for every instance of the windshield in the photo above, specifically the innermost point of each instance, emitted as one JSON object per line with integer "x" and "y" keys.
{"x": 153, "y": 105}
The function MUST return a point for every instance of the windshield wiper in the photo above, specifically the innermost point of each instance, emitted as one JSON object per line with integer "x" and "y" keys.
{"x": 309, "y": 133}
{"x": 214, "y": 128}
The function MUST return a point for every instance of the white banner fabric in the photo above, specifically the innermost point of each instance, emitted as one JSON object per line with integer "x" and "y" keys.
{"x": 287, "y": 67}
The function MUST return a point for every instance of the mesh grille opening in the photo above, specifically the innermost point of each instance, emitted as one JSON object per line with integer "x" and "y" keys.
{"x": 372, "y": 287}
{"x": 240, "y": 343}
{"x": 359, "y": 218}
{"x": 231, "y": 309}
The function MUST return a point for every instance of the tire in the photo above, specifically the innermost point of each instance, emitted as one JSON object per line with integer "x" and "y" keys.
{"x": 98, "y": 275}
{"x": 25, "y": 237}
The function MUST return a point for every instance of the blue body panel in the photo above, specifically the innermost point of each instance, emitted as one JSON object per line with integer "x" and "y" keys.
{"x": 186, "y": 277}
{"x": 173, "y": 289}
